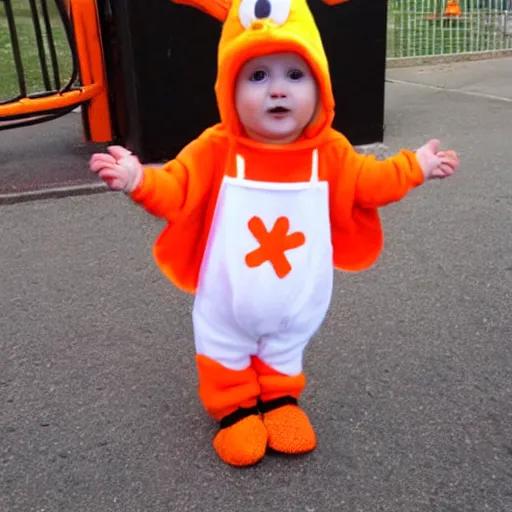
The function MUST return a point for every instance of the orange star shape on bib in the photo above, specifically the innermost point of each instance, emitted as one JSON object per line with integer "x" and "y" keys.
{"x": 273, "y": 245}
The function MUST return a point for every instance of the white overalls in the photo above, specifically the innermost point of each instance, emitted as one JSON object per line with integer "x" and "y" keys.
{"x": 242, "y": 306}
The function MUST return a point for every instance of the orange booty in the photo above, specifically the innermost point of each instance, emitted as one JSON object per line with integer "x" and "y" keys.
{"x": 242, "y": 444}
{"x": 289, "y": 429}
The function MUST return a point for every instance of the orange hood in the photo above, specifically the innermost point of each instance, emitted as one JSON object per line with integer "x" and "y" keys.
{"x": 257, "y": 27}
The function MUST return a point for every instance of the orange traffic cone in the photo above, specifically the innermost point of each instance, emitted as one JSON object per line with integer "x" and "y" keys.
{"x": 452, "y": 8}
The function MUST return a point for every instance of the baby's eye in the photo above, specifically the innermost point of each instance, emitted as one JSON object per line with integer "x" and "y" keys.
{"x": 258, "y": 76}
{"x": 295, "y": 74}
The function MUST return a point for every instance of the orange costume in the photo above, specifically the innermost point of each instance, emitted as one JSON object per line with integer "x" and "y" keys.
{"x": 255, "y": 230}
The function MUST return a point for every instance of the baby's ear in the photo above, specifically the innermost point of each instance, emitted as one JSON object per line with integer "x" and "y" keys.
{"x": 216, "y": 8}
{"x": 334, "y": 2}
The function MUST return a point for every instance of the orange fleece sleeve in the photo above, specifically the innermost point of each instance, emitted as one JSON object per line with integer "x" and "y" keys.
{"x": 380, "y": 182}
{"x": 162, "y": 191}
{"x": 180, "y": 184}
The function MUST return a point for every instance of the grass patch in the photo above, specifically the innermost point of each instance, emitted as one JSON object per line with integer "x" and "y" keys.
{"x": 412, "y": 34}
{"x": 9, "y": 87}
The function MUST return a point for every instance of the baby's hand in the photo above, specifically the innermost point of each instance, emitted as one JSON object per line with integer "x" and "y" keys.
{"x": 120, "y": 169}
{"x": 435, "y": 163}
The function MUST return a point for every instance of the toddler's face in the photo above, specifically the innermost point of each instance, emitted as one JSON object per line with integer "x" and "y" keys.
{"x": 276, "y": 97}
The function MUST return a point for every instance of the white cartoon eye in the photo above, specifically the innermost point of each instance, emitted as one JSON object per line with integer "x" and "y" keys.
{"x": 252, "y": 10}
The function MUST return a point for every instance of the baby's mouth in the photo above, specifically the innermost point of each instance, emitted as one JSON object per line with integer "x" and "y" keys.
{"x": 278, "y": 110}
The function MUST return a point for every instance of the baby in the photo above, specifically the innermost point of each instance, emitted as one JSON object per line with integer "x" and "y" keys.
{"x": 260, "y": 209}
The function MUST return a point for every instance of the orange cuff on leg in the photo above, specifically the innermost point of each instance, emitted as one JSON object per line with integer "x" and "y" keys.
{"x": 223, "y": 390}
{"x": 274, "y": 384}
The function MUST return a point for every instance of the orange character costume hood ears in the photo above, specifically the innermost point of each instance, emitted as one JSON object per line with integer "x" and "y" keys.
{"x": 256, "y": 27}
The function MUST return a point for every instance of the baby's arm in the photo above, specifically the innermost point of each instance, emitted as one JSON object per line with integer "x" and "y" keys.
{"x": 162, "y": 191}
{"x": 381, "y": 182}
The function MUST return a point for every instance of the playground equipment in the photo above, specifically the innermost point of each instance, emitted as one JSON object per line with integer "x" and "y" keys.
{"x": 452, "y": 8}
{"x": 452, "y": 11}
{"x": 87, "y": 85}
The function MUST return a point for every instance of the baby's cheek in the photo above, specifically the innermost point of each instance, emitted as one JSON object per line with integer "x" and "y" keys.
{"x": 250, "y": 109}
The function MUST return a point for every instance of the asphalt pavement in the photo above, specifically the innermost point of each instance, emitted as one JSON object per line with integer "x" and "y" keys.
{"x": 409, "y": 379}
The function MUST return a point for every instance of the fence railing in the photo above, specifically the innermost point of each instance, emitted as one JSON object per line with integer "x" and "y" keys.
{"x": 424, "y": 28}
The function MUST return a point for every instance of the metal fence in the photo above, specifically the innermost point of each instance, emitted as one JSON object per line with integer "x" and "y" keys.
{"x": 423, "y": 28}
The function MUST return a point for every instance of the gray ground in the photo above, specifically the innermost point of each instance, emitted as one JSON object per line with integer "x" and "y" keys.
{"x": 410, "y": 378}
{"x": 43, "y": 157}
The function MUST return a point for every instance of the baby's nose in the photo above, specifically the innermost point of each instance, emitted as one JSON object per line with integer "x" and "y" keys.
{"x": 277, "y": 89}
